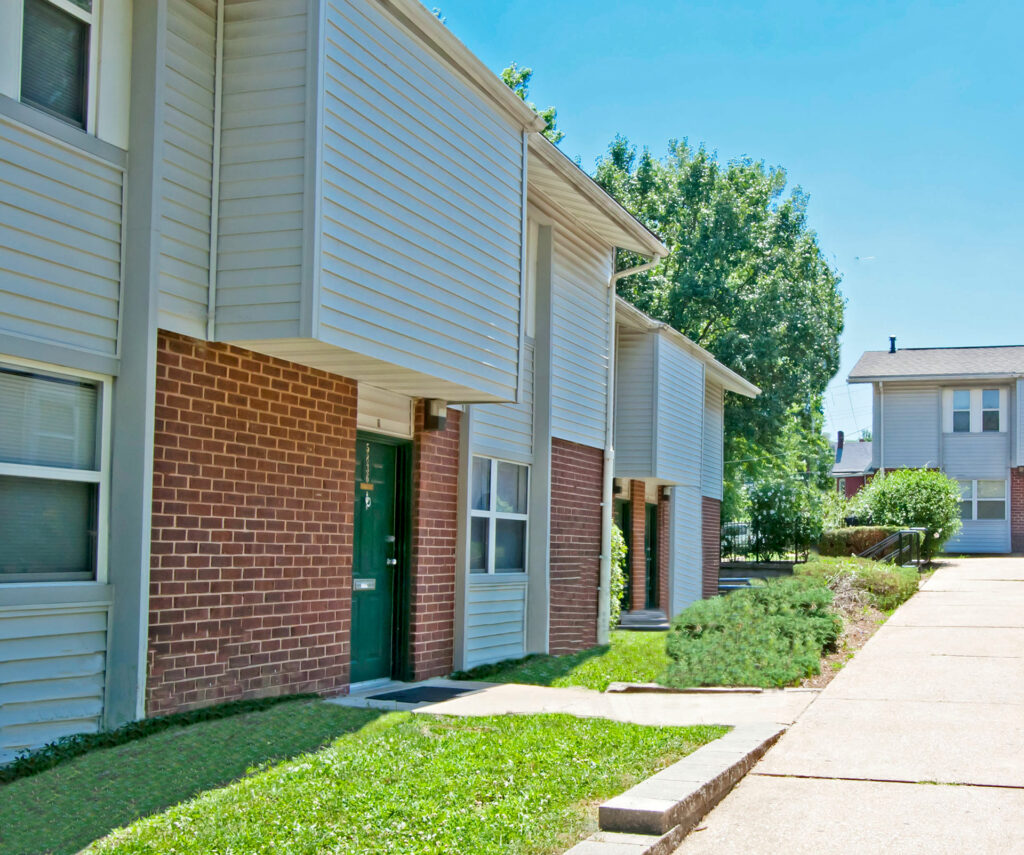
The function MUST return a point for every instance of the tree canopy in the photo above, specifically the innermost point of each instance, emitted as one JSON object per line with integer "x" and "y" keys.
{"x": 746, "y": 279}
{"x": 518, "y": 80}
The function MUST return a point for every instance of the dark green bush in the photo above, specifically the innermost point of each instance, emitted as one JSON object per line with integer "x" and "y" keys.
{"x": 854, "y": 540}
{"x": 766, "y": 636}
{"x": 918, "y": 498}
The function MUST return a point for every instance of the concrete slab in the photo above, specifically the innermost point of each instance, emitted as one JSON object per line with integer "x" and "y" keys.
{"x": 1004, "y": 567}
{"x": 814, "y": 817}
{"x": 965, "y": 641}
{"x": 904, "y": 741}
{"x": 950, "y": 612}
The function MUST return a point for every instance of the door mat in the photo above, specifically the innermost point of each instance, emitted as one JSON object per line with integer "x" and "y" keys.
{"x": 420, "y": 695}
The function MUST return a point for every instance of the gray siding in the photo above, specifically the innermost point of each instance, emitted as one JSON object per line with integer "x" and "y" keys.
{"x": 187, "y": 180}
{"x": 911, "y": 426}
{"x": 51, "y": 674}
{"x": 680, "y": 418}
{"x": 685, "y": 578}
{"x": 506, "y": 430}
{"x": 712, "y": 463}
{"x": 422, "y": 184}
{"x": 1018, "y": 423}
{"x": 495, "y": 620}
{"x": 635, "y": 388}
{"x": 259, "y": 257}
{"x": 985, "y": 536}
{"x": 976, "y": 455}
{"x": 60, "y": 241}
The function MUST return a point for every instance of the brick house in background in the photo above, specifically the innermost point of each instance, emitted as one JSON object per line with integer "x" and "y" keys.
{"x": 853, "y": 465}
{"x": 315, "y": 388}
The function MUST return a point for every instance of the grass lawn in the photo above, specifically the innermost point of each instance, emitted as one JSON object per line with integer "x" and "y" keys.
{"x": 632, "y": 657}
{"x": 420, "y": 784}
{"x": 65, "y": 808}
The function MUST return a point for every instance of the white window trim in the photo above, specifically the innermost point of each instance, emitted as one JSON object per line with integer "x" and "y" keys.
{"x": 493, "y": 516}
{"x": 976, "y": 410}
{"x": 101, "y": 477}
{"x": 975, "y": 499}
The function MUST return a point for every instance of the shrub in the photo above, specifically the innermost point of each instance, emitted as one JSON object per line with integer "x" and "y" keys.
{"x": 834, "y": 510}
{"x": 919, "y": 498}
{"x": 771, "y": 635}
{"x": 783, "y": 518}
{"x": 853, "y": 541}
{"x": 617, "y": 585}
{"x": 886, "y": 585}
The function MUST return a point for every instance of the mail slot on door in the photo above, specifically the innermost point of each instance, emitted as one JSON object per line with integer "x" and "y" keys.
{"x": 364, "y": 584}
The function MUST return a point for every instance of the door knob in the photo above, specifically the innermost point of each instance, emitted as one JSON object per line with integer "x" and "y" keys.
{"x": 391, "y": 562}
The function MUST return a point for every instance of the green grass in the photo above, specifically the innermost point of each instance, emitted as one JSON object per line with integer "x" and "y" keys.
{"x": 632, "y": 657}
{"x": 516, "y": 785}
{"x": 887, "y": 585}
{"x": 62, "y": 809}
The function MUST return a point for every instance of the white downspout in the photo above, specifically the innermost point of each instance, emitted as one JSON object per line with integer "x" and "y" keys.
{"x": 881, "y": 428}
{"x": 218, "y": 108}
{"x": 605, "y": 575}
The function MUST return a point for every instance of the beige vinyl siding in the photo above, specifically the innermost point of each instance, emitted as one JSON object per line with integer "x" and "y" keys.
{"x": 421, "y": 208}
{"x": 263, "y": 144}
{"x": 187, "y": 180}
{"x": 680, "y": 405}
{"x": 383, "y": 411}
{"x": 60, "y": 241}
{"x": 635, "y": 389}
{"x": 910, "y": 428}
{"x": 506, "y": 430}
{"x": 495, "y": 620}
{"x": 712, "y": 462}
{"x": 685, "y": 556}
{"x": 51, "y": 674}
{"x": 581, "y": 268}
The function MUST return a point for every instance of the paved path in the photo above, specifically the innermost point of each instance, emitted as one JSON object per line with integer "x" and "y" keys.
{"x": 917, "y": 746}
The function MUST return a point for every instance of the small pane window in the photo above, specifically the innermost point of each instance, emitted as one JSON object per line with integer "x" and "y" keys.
{"x": 510, "y": 547}
{"x": 991, "y": 489}
{"x": 966, "y": 500}
{"x": 962, "y": 399}
{"x": 498, "y": 516}
{"x": 479, "y": 544}
{"x": 991, "y": 510}
{"x": 990, "y": 410}
{"x": 511, "y": 488}
{"x": 55, "y": 60}
{"x": 481, "y": 484}
{"x": 961, "y": 411}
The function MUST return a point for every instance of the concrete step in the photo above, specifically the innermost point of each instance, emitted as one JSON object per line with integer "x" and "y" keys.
{"x": 644, "y": 620}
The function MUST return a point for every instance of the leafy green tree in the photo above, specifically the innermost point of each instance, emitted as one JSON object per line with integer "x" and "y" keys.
{"x": 618, "y": 577}
{"x": 518, "y": 80}
{"x": 746, "y": 279}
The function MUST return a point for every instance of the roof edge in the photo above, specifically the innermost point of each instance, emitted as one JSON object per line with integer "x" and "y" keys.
{"x": 931, "y": 378}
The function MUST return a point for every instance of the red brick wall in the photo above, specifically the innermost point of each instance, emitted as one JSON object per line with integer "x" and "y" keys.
{"x": 250, "y": 581}
{"x": 711, "y": 526}
{"x": 1017, "y": 510}
{"x": 853, "y": 485}
{"x": 435, "y": 519}
{"x": 576, "y": 488}
{"x": 664, "y": 528}
{"x": 637, "y": 559}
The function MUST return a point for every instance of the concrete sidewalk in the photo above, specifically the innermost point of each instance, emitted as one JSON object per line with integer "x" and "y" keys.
{"x": 917, "y": 746}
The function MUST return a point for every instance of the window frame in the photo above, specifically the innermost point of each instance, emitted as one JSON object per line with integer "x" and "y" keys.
{"x": 998, "y": 410}
{"x": 975, "y": 499}
{"x": 100, "y": 477}
{"x": 92, "y": 69}
{"x": 956, "y": 410}
{"x": 493, "y": 515}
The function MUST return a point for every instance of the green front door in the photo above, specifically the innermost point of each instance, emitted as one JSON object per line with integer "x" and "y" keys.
{"x": 373, "y": 561}
{"x": 651, "y": 555}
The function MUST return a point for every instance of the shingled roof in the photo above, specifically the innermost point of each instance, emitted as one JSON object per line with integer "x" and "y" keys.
{"x": 853, "y": 459}
{"x": 936, "y": 363}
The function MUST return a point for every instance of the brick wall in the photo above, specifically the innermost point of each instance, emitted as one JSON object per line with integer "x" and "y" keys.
{"x": 853, "y": 485}
{"x": 637, "y": 559}
{"x": 576, "y": 487}
{"x": 664, "y": 530}
{"x": 711, "y": 525}
{"x": 1017, "y": 510}
{"x": 435, "y": 472}
{"x": 250, "y": 580}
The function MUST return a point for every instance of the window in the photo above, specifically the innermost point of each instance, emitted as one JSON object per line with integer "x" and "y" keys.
{"x": 56, "y": 53}
{"x": 990, "y": 410}
{"x": 498, "y": 516}
{"x": 52, "y": 460}
{"x": 982, "y": 500}
{"x": 961, "y": 411}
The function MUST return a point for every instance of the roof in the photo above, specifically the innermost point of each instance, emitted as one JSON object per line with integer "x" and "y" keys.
{"x": 853, "y": 459}
{"x": 938, "y": 363}
{"x": 559, "y": 179}
{"x": 629, "y": 315}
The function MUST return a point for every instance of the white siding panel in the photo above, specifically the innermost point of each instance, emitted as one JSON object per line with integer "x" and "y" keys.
{"x": 910, "y": 429}
{"x": 506, "y": 430}
{"x": 712, "y": 464}
{"x": 495, "y": 621}
{"x": 976, "y": 455}
{"x": 422, "y": 208}
{"x": 634, "y": 405}
{"x": 259, "y": 253}
{"x": 680, "y": 402}
{"x": 51, "y": 674}
{"x": 985, "y": 536}
{"x": 187, "y": 181}
{"x": 685, "y": 578}
{"x": 60, "y": 241}
{"x": 382, "y": 411}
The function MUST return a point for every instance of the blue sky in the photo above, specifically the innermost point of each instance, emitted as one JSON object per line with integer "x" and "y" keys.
{"x": 903, "y": 121}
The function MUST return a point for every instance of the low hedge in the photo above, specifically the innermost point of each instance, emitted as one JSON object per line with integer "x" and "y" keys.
{"x": 841, "y": 542}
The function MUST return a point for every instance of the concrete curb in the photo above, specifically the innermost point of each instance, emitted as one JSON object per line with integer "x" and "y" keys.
{"x": 653, "y": 817}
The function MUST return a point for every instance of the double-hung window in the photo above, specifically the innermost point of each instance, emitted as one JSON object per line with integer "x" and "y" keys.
{"x": 53, "y": 462}
{"x": 982, "y": 500}
{"x": 961, "y": 411}
{"x": 57, "y": 57}
{"x": 990, "y": 410}
{"x": 975, "y": 410}
{"x": 498, "y": 516}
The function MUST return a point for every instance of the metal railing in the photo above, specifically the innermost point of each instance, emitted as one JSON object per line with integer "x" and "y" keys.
{"x": 739, "y": 543}
{"x": 902, "y": 548}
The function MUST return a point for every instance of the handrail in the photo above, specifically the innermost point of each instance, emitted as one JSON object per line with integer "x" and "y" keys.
{"x": 905, "y": 540}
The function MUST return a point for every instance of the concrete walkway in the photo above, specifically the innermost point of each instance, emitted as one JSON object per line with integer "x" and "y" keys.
{"x": 917, "y": 746}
